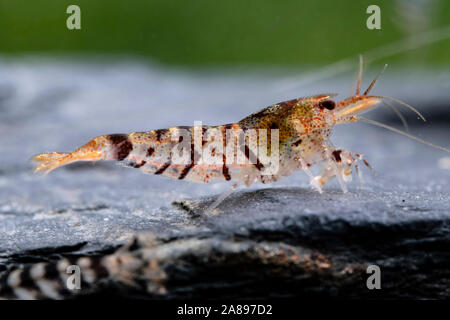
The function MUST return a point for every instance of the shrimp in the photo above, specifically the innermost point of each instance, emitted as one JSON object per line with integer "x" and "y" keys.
{"x": 302, "y": 128}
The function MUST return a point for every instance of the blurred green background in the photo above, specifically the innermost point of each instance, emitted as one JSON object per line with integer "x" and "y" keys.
{"x": 209, "y": 32}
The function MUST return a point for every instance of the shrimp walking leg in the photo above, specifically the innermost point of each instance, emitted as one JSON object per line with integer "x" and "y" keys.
{"x": 221, "y": 198}
{"x": 341, "y": 165}
{"x": 312, "y": 180}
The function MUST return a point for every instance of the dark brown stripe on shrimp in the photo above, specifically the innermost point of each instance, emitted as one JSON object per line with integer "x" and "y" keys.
{"x": 159, "y": 133}
{"x": 163, "y": 168}
{"x": 117, "y": 138}
{"x": 297, "y": 143}
{"x": 203, "y": 134}
{"x": 258, "y": 165}
{"x": 225, "y": 170}
{"x": 122, "y": 145}
{"x": 138, "y": 165}
{"x": 150, "y": 152}
{"x": 337, "y": 155}
{"x": 194, "y": 153}
{"x": 189, "y": 166}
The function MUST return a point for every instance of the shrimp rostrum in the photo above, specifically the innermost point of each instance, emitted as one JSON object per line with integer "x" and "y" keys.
{"x": 263, "y": 147}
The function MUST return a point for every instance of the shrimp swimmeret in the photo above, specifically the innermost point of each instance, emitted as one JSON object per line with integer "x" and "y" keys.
{"x": 295, "y": 133}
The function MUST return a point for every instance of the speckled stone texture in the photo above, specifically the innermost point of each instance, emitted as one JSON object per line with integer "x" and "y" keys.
{"x": 282, "y": 239}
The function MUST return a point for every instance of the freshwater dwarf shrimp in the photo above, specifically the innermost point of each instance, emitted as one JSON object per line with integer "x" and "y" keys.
{"x": 302, "y": 126}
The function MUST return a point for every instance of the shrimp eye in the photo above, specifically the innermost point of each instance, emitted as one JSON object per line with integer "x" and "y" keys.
{"x": 329, "y": 104}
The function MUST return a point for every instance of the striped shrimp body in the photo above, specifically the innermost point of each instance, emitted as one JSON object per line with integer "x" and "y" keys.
{"x": 302, "y": 125}
{"x": 296, "y": 132}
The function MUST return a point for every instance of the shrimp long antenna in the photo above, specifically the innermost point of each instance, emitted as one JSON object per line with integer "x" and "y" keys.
{"x": 358, "y": 85}
{"x": 403, "y": 104}
{"x": 409, "y": 43}
{"x": 398, "y": 113}
{"x": 374, "y": 80}
{"x": 382, "y": 125}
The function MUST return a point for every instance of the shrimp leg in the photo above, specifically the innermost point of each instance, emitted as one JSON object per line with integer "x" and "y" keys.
{"x": 342, "y": 164}
{"x": 221, "y": 198}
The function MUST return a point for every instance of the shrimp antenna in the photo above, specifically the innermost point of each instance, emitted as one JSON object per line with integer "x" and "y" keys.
{"x": 398, "y": 113}
{"x": 358, "y": 84}
{"x": 382, "y": 125}
{"x": 372, "y": 84}
{"x": 358, "y": 90}
{"x": 403, "y": 104}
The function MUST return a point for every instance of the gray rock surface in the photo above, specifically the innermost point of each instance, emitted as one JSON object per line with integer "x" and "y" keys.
{"x": 399, "y": 219}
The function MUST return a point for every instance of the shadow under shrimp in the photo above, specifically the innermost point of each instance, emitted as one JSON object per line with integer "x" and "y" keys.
{"x": 243, "y": 201}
